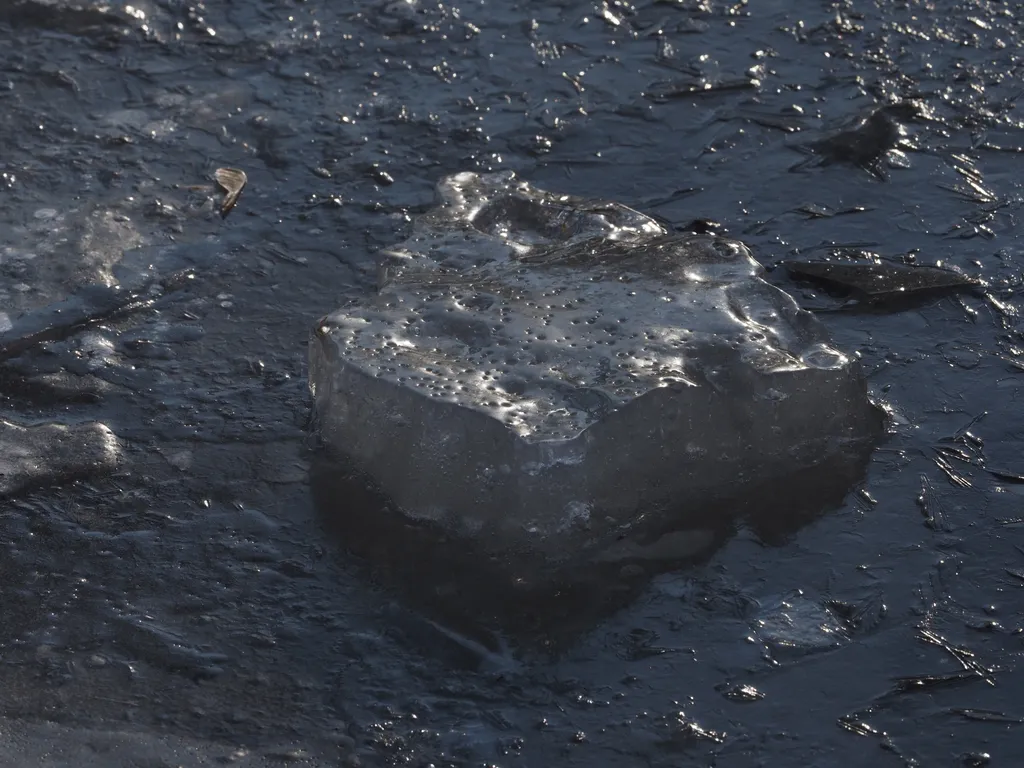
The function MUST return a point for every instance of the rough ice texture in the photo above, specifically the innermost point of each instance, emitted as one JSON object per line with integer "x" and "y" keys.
{"x": 47, "y": 454}
{"x": 538, "y": 366}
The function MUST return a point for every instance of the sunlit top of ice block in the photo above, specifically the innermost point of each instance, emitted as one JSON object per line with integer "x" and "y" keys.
{"x": 547, "y": 311}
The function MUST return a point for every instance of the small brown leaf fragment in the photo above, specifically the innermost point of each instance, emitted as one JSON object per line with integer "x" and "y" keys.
{"x": 233, "y": 182}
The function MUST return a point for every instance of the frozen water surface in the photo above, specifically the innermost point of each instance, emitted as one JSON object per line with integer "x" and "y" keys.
{"x": 538, "y": 364}
{"x": 207, "y": 537}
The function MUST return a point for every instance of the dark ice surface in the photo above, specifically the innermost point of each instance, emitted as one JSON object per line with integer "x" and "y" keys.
{"x": 197, "y": 597}
{"x": 49, "y": 745}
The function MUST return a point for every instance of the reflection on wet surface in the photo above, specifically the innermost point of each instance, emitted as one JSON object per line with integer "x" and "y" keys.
{"x": 517, "y": 594}
{"x": 189, "y": 593}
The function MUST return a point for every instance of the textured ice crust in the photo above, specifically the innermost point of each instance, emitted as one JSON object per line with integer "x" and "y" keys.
{"x": 47, "y": 454}
{"x": 537, "y": 364}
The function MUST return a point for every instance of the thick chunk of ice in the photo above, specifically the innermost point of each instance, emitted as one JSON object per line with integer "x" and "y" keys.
{"x": 47, "y": 454}
{"x": 538, "y": 367}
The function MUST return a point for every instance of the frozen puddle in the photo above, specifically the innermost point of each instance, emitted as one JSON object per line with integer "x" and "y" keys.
{"x": 540, "y": 369}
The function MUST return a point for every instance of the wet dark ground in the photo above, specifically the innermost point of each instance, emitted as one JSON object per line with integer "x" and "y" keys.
{"x": 198, "y": 595}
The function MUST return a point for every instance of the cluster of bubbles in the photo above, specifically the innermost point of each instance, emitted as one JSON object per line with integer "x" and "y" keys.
{"x": 548, "y": 311}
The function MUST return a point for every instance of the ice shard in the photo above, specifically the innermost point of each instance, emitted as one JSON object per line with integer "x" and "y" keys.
{"x": 543, "y": 372}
